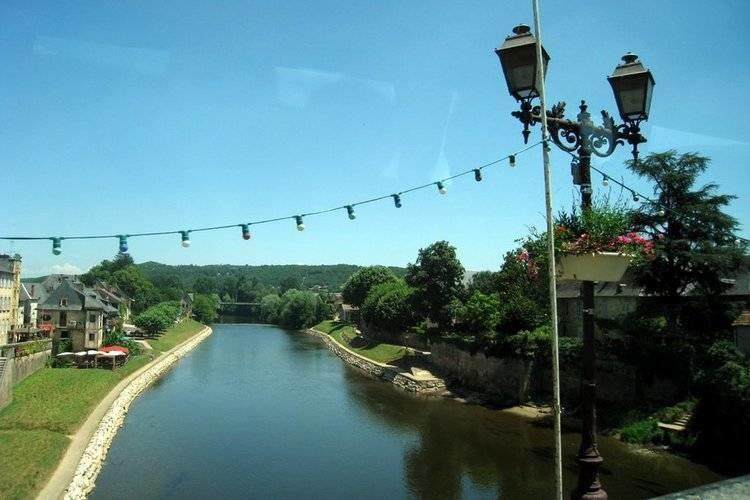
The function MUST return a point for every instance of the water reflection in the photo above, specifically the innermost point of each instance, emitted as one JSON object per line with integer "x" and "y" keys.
{"x": 259, "y": 412}
{"x": 466, "y": 449}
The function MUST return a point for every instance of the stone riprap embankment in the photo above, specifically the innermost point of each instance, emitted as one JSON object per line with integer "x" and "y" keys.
{"x": 423, "y": 384}
{"x": 96, "y": 451}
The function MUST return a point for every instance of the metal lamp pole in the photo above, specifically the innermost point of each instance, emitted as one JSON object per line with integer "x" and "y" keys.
{"x": 633, "y": 85}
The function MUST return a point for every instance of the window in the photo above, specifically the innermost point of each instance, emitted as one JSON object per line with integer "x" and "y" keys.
{"x": 92, "y": 318}
{"x": 63, "y": 302}
{"x": 92, "y": 337}
{"x": 63, "y": 318}
{"x": 65, "y": 335}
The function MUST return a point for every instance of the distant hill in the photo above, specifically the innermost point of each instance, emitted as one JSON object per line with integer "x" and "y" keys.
{"x": 330, "y": 276}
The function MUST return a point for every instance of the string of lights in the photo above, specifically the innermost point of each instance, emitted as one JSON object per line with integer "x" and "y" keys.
{"x": 298, "y": 219}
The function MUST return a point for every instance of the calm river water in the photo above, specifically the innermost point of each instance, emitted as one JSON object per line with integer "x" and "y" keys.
{"x": 260, "y": 412}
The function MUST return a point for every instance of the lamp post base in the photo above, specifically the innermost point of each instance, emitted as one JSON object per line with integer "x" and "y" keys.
{"x": 589, "y": 487}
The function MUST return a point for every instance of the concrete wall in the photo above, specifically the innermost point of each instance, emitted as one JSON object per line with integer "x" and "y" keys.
{"x": 517, "y": 379}
{"x": 509, "y": 378}
{"x": 17, "y": 369}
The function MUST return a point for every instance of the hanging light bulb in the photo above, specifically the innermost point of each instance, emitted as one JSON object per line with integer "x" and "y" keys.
{"x": 441, "y": 187}
{"x": 245, "y": 231}
{"x": 662, "y": 213}
{"x": 605, "y": 181}
{"x": 512, "y": 160}
{"x": 123, "y": 243}
{"x": 350, "y": 211}
{"x": 396, "y": 200}
{"x": 635, "y": 197}
{"x": 300, "y": 223}
{"x": 185, "y": 238}
{"x": 477, "y": 175}
{"x": 57, "y": 246}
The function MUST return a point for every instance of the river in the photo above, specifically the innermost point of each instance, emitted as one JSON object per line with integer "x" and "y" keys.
{"x": 260, "y": 412}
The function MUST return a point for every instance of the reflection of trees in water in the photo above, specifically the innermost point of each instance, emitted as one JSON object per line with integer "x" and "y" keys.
{"x": 496, "y": 452}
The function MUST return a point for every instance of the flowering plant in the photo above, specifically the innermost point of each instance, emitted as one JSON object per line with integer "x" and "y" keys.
{"x": 601, "y": 228}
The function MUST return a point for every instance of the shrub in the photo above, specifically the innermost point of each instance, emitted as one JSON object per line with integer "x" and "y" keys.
{"x": 530, "y": 344}
{"x": 644, "y": 431}
{"x": 116, "y": 337}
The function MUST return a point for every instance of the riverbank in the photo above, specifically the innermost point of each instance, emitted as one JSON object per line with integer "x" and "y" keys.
{"x": 414, "y": 380}
{"x": 43, "y": 424}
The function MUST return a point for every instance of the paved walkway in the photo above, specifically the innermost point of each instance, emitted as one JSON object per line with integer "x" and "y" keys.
{"x": 63, "y": 475}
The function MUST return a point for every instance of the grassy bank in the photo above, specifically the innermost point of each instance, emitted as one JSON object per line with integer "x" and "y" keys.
{"x": 52, "y": 404}
{"x": 346, "y": 335}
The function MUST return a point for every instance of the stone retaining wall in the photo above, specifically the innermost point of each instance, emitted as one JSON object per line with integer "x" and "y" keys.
{"x": 516, "y": 379}
{"x": 96, "y": 451}
{"x": 17, "y": 369}
{"x": 400, "y": 379}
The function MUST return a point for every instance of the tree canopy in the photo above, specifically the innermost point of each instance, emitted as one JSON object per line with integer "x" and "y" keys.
{"x": 361, "y": 282}
{"x": 695, "y": 239}
{"x": 437, "y": 281}
{"x": 389, "y": 306}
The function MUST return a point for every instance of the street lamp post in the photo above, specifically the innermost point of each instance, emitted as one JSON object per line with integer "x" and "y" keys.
{"x": 632, "y": 85}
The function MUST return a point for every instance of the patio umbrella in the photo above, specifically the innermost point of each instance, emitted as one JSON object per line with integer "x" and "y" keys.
{"x": 116, "y": 353}
{"x": 111, "y": 348}
{"x": 92, "y": 352}
{"x": 81, "y": 353}
{"x": 65, "y": 354}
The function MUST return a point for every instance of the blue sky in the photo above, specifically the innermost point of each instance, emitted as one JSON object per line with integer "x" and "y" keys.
{"x": 123, "y": 117}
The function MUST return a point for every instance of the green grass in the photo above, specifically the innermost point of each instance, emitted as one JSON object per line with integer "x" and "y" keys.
{"x": 176, "y": 335}
{"x": 27, "y": 460}
{"x": 52, "y": 404}
{"x": 347, "y": 336}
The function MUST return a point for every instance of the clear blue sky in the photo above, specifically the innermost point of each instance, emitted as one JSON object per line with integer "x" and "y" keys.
{"x": 123, "y": 117}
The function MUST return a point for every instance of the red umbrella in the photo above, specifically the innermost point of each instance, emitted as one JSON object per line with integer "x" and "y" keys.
{"x": 110, "y": 348}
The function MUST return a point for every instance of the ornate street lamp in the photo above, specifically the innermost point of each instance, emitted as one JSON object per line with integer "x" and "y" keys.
{"x": 633, "y": 86}
{"x": 519, "y": 61}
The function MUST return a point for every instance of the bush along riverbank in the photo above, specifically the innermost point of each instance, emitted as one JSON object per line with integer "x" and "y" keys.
{"x": 50, "y": 406}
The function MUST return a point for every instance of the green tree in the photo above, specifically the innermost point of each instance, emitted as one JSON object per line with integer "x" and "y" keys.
{"x": 205, "y": 285}
{"x": 694, "y": 238}
{"x": 229, "y": 287}
{"x": 694, "y": 251}
{"x": 106, "y": 268}
{"x": 137, "y": 286}
{"x": 483, "y": 281}
{"x": 269, "y": 308}
{"x": 523, "y": 293}
{"x": 153, "y": 321}
{"x": 361, "y": 282}
{"x": 290, "y": 283}
{"x": 388, "y": 306}
{"x": 205, "y": 308}
{"x": 481, "y": 313}
{"x": 299, "y": 309}
{"x": 437, "y": 279}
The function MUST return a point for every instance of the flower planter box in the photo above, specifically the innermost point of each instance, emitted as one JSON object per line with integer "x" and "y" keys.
{"x": 604, "y": 266}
